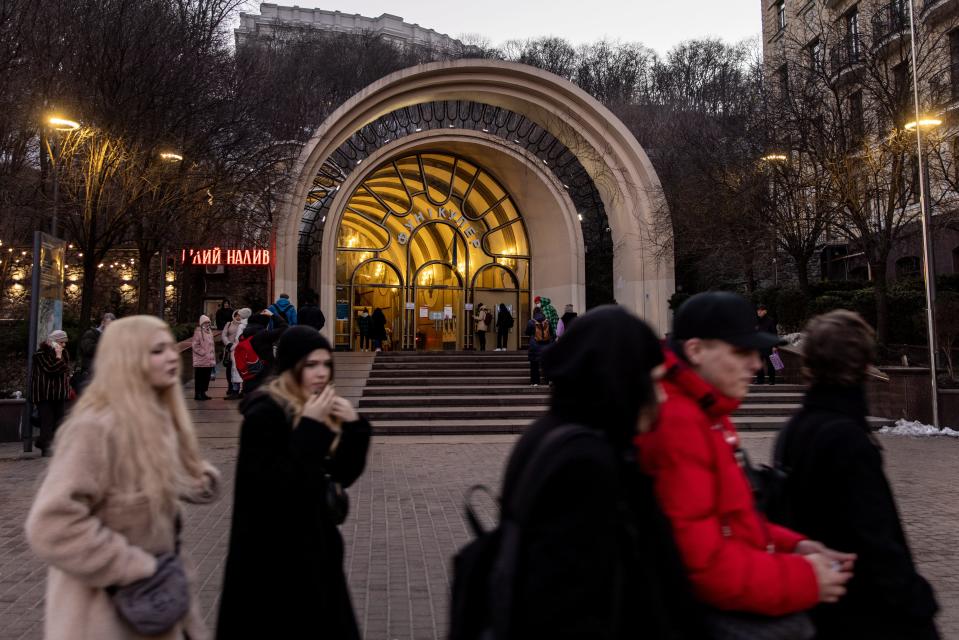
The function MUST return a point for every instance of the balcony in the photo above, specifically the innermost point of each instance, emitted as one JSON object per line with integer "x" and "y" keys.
{"x": 938, "y": 9}
{"x": 845, "y": 59}
{"x": 889, "y": 23}
{"x": 943, "y": 95}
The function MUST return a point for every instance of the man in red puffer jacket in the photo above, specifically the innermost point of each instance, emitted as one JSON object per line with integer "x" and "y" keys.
{"x": 736, "y": 560}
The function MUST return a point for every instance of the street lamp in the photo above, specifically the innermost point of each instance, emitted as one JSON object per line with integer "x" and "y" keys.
{"x": 62, "y": 125}
{"x": 170, "y": 156}
{"x": 928, "y": 269}
{"x": 166, "y": 156}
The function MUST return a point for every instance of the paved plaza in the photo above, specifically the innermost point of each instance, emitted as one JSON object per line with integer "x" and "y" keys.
{"x": 406, "y": 522}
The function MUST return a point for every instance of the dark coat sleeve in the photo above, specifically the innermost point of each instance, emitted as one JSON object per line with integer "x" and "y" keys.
{"x": 572, "y": 572}
{"x": 349, "y": 460}
{"x": 867, "y": 513}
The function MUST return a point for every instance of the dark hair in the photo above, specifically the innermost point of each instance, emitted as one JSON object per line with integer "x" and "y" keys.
{"x": 838, "y": 348}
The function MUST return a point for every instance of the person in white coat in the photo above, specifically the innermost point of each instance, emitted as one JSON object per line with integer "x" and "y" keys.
{"x": 229, "y": 337}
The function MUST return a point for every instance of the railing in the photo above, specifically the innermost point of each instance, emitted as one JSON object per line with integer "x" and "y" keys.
{"x": 891, "y": 19}
{"x": 844, "y": 55}
{"x": 929, "y": 5}
{"x": 943, "y": 92}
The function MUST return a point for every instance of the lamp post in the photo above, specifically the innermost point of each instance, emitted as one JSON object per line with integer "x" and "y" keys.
{"x": 169, "y": 157}
{"x": 61, "y": 125}
{"x": 928, "y": 269}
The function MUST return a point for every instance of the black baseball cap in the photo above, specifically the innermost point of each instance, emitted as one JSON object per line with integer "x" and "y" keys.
{"x": 721, "y": 315}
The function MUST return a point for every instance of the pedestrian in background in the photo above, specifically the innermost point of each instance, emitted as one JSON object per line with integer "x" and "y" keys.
{"x": 230, "y": 336}
{"x": 596, "y": 558}
{"x": 765, "y": 323}
{"x": 546, "y": 306}
{"x": 484, "y": 322}
{"x": 736, "y": 560}
{"x": 204, "y": 358}
{"x": 540, "y": 337}
{"x": 50, "y": 386}
{"x": 363, "y": 326}
{"x": 86, "y": 353}
{"x": 224, "y": 315}
{"x": 504, "y": 324}
{"x": 284, "y": 309}
{"x": 564, "y": 323}
{"x": 378, "y": 329}
{"x": 836, "y": 490}
{"x": 254, "y": 354}
{"x": 300, "y": 444}
{"x": 310, "y": 313}
{"x": 110, "y": 501}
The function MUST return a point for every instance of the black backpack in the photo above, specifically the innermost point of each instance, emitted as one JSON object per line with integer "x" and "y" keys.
{"x": 484, "y": 570}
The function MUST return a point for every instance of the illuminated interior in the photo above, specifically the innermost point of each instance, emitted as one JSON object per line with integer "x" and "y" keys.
{"x": 426, "y": 238}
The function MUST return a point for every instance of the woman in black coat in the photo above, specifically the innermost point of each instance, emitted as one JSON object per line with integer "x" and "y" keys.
{"x": 378, "y": 329}
{"x": 597, "y": 558}
{"x": 836, "y": 491}
{"x": 284, "y": 570}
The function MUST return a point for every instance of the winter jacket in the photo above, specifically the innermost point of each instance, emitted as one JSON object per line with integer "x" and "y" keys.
{"x": 480, "y": 317}
{"x": 767, "y": 324}
{"x": 311, "y": 316}
{"x": 504, "y": 319}
{"x": 231, "y": 332}
{"x": 565, "y": 322}
{"x": 51, "y": 375}
{"x": 736, "y": 560}
{"x": 87, "y": 350}
{"x": 550, "y": 312}
{"x": 94, "y": 534}
{"x": 224, "y": 315}
{"x": 285, "y": 309}
{"x": 536, "y": 348}
{"x": 378, "y": 325}
{"x": 836, "y": 492}
{"x": 363, "y": 324}
{"x": 204, "y": 350}
{"x": 284, "y": 569}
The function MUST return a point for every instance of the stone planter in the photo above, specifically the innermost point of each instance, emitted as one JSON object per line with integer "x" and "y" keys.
{"x": 12, "y": 411}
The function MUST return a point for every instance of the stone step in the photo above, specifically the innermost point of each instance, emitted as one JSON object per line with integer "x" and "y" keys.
{"x": 374, "y": 414}
{"x": 470, "y": 426}
{"x": 454, "y": 390}
{"x": 777, "y": 388}
{"x": 456, "y": 400}
{"x": 479, "y": 363}
{"x": 424, "y": 381}
{"x": 464, "y": 372}
{"x": 489, "y": 353}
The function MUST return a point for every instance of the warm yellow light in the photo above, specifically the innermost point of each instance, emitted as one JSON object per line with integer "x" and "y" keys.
{"x": 775, "y": 157}
{"x": 924, "y": 123}
{"x": 62, "y": 124}
{"x": 169, "y": 156}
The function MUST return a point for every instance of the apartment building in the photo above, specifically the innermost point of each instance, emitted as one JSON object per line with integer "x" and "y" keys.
{"x": 857, "y": 55}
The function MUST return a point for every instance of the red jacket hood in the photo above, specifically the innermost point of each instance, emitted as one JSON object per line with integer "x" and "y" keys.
{"x": 683, "y": 379}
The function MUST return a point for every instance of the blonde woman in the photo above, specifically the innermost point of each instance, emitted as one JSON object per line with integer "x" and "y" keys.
{"x": 299, "y": 443}
{"x": 108, "y": 506}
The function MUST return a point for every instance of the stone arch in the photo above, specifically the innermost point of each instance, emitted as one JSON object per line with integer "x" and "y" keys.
{"x": 621, "y": 170}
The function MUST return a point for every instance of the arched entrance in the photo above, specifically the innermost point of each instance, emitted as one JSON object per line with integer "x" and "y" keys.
{"x": 427, "y": 237}
{"x": 564, "y": 120}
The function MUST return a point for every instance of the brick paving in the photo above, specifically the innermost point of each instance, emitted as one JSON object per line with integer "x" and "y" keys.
{"x": 406, "y": 522}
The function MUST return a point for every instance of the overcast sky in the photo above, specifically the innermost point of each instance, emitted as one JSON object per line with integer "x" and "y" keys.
{"x": 655, "y": 23}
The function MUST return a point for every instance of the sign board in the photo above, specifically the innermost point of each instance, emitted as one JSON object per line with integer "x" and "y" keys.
{"x": 424, "y": 312}
{"x": 447, "y": 311}
{"x": 469, "y": 306}
{"x": 410, "y": 306}
{"x": 49, "y": 292}
{"x": 216, "y": 257}
{"x": 436, "y": 315}
{"x": 342, "y": 310}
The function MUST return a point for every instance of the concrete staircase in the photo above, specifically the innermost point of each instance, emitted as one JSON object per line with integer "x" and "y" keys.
{"x": 454, "y": 392}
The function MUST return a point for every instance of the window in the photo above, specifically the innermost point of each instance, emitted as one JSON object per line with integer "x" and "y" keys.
{"x": 955, "y": 159}
{"x": 954, "y": 63}
{"x": 900, "y": 83}
{"x": 908, "y": 267}
{"x": 816, "y": 55}
{"x": 955, "y": 260}
{"x": 783, "y": 74}
{"x": 780, "y": 15}
{"x": 852, "y": 33}
{"x": 856, "y": 124}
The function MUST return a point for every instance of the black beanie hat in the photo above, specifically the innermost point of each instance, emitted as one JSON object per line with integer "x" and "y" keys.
{"x": 296, "y": 343}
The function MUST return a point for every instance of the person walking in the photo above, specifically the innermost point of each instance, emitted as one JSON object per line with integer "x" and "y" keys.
{"x": 300, "y": 444}
{"x": 50, "y": 386}
{"x": 596, "y": 554}
{"x": 484, "y": 322}
{"x": 546, "y": 306}
{"x": 363, "y": 325}
{"x": 284, "y": 309}
{"x": 736, "y": 560}
{"x": 836, "y": 490}
{"x": 108, "y": 513}
{"x": 254, "y": 353}
{"x": 310, "y": 313}
{"x": 230, "y": 336}
{"x": 540, "y": 337}
{"x": 86, "y": 353}
{"x": 224, "y": 315}
{"x": 765, "y": 323}
{"x": 564, "y": 323}
{"x": 504, "y": 324}
{"x": 378, "y": 329}
{"x": 204, "y": 358}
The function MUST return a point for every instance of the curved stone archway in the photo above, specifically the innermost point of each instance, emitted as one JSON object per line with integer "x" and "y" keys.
{"x": 609, "y": 153}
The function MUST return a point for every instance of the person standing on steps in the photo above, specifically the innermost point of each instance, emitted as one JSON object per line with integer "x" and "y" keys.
{"x": 204, "y": 358}
{"x": 310, "y": 313}
{"x": 284, "y": 309}
{"x": 504, "y": 324}
{"x": 50, "y": 386}
{"x": 546, "y": 306}
{"x": 301, "y": 444}
{"x": 566, "y": 321}
{"x": 765, "y": 323}
{"x": 230, "y": 336}
{"x": 484, "y": 322}
{"x": 378, "y": 329}
{"x": 363, "y": 326}
{"x": 540, "y": 337}
{"x": 836, "y": 490}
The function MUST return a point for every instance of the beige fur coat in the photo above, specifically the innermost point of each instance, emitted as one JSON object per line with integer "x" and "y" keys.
{"x": 93, "y": 535}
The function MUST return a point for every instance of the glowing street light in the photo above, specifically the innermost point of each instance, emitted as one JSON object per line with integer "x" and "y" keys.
{"x": 170, "y": 156}
{"x": 62, "y": 124}
{"x": 923, "y": 123}
{"x": 775, "y": 157}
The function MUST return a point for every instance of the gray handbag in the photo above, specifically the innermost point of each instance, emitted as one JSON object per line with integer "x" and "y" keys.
{"x": 155, "y": 605}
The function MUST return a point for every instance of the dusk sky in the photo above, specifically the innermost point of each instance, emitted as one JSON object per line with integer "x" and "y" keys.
{"x": 659, "y": 25}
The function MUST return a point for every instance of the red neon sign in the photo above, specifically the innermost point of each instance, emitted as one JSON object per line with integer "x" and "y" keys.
{"x": 216, "y": 257}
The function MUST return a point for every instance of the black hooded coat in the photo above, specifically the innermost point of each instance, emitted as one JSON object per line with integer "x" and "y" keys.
{"x": 597, "y": 557}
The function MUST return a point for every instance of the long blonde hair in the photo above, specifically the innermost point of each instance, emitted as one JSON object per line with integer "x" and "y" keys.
{"x": 134, "y": 416}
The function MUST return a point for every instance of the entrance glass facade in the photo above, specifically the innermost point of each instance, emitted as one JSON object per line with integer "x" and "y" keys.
{"x": 426, "y": 238}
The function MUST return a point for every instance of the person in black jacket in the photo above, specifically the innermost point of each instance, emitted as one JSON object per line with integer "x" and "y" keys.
{"x": 378, "y": 329}
{"x": 504, "y": 324}
{"x": 836, "y": 491}
{"x": 597, "y": 558}
{"x": 262, "y": 339}
{"x": 765, "y": 323}
{"x": 50, "y": 386}
{"x": 310, "y": 313}
{"x": 284, "y": 569}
